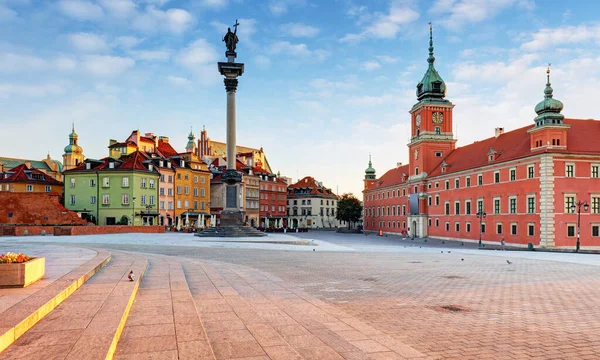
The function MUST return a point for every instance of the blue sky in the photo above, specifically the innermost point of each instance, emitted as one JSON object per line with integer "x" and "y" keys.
{"x": 325, "y": 82}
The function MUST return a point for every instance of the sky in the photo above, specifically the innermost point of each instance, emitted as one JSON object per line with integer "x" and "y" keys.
{"x": 326, "y": 82}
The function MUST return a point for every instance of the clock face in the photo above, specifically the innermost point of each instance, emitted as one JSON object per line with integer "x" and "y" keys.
{"x": 418, "y": 120}
{"x": 437, "y": 118}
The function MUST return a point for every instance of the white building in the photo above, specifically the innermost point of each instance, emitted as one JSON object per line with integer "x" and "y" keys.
{"x": 311, "y": 205}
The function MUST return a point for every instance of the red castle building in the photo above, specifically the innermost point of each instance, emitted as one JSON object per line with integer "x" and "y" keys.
{"x": 534, "y": 184}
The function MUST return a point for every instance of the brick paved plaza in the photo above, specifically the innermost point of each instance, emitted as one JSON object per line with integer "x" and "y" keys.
{"x": 357, "y": 297}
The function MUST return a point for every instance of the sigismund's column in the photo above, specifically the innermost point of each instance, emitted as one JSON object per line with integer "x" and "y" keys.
{"x": 232, "y": 215}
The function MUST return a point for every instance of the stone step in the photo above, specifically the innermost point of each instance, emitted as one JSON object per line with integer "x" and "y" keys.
{"x": 231, "y": 231}
{"x": 164, "y": 323}
{"x": 89, "y": 323}
{"x": 22, "y": 316}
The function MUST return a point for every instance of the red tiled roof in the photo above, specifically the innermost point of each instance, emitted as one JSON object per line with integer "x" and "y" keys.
{"x": 133, "y": 161}
{"x": 258, "y": 169}
{"x": 515, "y": 144}
{"x": 166, "y": 149}
{"x": 20, "y": 175}
{"x": 121, "y": 144}
{"x": 390, "y": 178}
{"x": 310, "y": 182}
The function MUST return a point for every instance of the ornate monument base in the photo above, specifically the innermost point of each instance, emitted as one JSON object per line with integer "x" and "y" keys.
{"x": 232, "y": 218}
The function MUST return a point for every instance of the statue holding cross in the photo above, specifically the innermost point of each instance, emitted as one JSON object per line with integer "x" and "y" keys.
{"x": 231, "y": 38}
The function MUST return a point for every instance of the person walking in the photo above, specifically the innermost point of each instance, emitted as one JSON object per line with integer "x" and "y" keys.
{"x": 502, "y": 242}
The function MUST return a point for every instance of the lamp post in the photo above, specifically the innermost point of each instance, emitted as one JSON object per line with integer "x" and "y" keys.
{"x": 133, "y": 212}
{"x": 480, "y": 215}
{"x": 577, "y": 206}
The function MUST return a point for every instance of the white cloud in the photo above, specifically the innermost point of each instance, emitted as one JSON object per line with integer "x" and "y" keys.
{"x": 564, "y": 35}
{"x": 371, "y": 65}
{"x": 495, "y": 71}
{"x": 152, "y": 55}
{"x": 80, "y": 9}
{"x": 386, "y": 26}
{"x": 104, "y": 65}
{"x": 461, "y": 12}
{"x": 172, "y": 20}
{"x": 7, "y": 14}
{"x": 386, "y": 59}
{"x": 298, "y": 50}
{"x": 127, "y": 42}
{"x": 368, "y": 100}
{"x": 178, "y": 81}
{"x": 262, "y": 61}
{"x": 119, "y": 8}
{"x": 213, "y": 3}
{"x": 299, "y": 30}
{"x": 65, "y": 64}
{"x": 37, "y": 90}
{"x": 200, "y": 57}
{"x": 16, "y": 62}
{"x": 340, "y": 85}
{"x": 88, "y": 42}
{"x": 277, "y": 7}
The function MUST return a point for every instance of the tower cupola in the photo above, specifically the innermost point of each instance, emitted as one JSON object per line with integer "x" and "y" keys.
{"x": 191, "y": 145}
{"x": 370, "y": 172}
{"x": 73, "y": 147}
{"x": 548, "y": 110}
{"x": 432, "y": 87}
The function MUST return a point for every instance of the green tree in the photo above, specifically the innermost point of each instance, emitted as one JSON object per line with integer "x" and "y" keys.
{"x": 123, "y": 221}
{"x": 349, "y": 209}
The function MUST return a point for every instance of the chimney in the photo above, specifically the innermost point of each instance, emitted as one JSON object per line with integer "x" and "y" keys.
{"x": 498, "y": 132}
{"x": 164, "y": 139}
{"x": 398, "y": 164}
{"x": 112, "y": 142}
{"x": 149, "y": 135}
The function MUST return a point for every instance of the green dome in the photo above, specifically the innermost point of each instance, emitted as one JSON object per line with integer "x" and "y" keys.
{"x": 549, "y": 109}
{"x": 370, "y": 172}
{"x": 432, "y": 87}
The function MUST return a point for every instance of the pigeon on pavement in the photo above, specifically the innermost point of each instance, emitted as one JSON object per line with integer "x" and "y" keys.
{"x": 462, "y": 259}
{"x": 131, "y": 277}
{"x": 508, "y": 262}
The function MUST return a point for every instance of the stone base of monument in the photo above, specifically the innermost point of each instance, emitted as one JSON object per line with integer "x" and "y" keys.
{"x": 232, "y": 225}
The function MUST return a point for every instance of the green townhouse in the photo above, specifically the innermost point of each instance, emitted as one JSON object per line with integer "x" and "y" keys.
{"x": 104, "y": 191}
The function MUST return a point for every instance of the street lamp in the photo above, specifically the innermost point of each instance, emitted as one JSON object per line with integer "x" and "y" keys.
{"x": 480, "y": 215}
{"x": 133, "y": 212}
{"x": 577, "y": 206}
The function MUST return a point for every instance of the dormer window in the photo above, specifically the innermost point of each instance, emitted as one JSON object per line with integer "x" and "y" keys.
{"x": 111, "y": 165}
{"x": 88, "y": 166}
{"x": 437, "y": 86}
{"x": 419, "y": 88}
{"x": 491, "y": 158}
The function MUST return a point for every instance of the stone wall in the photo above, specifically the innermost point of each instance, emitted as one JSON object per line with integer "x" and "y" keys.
{"x": 22, "y": 230}
{"x": 35, "y": 209}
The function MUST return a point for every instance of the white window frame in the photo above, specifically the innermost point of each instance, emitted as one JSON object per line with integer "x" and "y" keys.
{"x": 29, "y": 188}
{"x": 105, "y": 199}
{"x": 125, "y": 181}
{"x": 72, "y": 199}
{"x": 566, "y": 170}
{"x": 125, "y": 199}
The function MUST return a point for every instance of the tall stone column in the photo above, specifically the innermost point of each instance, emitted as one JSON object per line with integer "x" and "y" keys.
{"x": 231, "y": 214}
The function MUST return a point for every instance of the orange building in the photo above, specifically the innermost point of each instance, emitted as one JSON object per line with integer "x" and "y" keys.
{"x": 538, "y": 184}
{"x": 23, "y": 178}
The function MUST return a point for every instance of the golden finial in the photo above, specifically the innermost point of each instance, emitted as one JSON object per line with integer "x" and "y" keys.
{"x": 548, "y": 70}
{"x": 430, "y": 26}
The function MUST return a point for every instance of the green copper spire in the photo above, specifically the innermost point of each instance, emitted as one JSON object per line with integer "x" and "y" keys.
{"x": 370, "y": 172}
{"x": 549, "y": 109}
{"x": 73, "y": 147}
{"x": 191, "y": 145}
{"x": 432, "y": 88}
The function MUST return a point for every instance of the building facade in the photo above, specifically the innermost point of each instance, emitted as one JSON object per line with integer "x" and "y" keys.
{"x": 311, "y": 205}
{"x": 525, "y": 185}
{"x": 273, "y": 199}
{"x": 23, "y": 178}
{"x": 48, "y": 166}
{"x": 107, "y": 190}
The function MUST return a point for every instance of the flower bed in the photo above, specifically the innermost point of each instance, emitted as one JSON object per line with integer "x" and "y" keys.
{"x": 19, "y": 270}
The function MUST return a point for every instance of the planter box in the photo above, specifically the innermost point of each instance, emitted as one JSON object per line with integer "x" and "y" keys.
{"x": 22, "y": 274}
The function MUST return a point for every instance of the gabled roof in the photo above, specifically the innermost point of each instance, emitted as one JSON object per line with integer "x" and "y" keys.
{"x": 22, "y": 173}
{"x": 131, "y": 162}
{"x": 14, "y": 162}
{"x": 166, "y": 149}
{"x": 308, "y": 182}
{"x": 582, "y": 138}
{"x": 392, "y": 177}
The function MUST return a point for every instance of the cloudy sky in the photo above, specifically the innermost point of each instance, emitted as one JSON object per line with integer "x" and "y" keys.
{"x": 325, "y": 82}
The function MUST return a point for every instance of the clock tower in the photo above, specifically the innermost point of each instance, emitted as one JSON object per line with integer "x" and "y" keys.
{"x": 431, "y": 122}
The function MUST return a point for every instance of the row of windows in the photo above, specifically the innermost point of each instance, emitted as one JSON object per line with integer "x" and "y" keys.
{"x": 124, "y": 182}
{"x": 394, "y": 210}
{"x": 144, "y": 200}
{"x": 28, "y": 188}
{"x": 186, "y": 191}
{"x": 273, "y": 188}
{"x": 308, "y": 212}
{"x": 251, "y": 204}
{"x": 266, "y": 208}
{"x": 512, "y": 205}
{"x": 309, "y": 202}
{"x": 273, "y": 197}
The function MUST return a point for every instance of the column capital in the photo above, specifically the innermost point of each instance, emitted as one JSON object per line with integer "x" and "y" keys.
{"x": 230, "y": 84}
